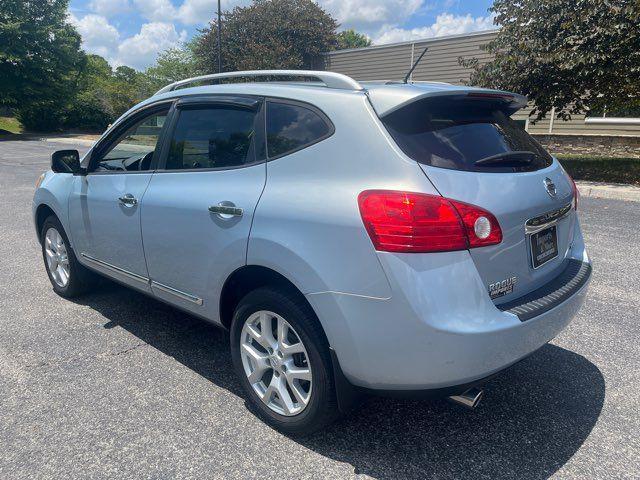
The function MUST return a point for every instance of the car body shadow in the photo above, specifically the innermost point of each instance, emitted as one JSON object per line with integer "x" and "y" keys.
{"x": 534, "y": 416}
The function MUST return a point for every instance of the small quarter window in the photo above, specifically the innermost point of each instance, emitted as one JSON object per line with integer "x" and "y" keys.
{"x": 212, "y": 137}
{"x": 292, "y": 127}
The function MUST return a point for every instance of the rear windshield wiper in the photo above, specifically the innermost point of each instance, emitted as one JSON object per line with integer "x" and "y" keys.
{"x": 510, "y": 158}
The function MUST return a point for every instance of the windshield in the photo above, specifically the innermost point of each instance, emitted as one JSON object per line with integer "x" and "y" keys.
{"x": 463, "y": 134}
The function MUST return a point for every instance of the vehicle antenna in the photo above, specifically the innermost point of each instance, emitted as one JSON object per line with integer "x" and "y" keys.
{"x": 406, "y": 78}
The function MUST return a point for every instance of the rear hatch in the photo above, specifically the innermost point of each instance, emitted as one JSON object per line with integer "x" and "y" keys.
{"x": 472, "y": 151}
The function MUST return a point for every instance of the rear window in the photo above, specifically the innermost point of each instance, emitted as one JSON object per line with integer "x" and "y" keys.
{"x": 211, "y": 137}
{"x": 465, "y": 135}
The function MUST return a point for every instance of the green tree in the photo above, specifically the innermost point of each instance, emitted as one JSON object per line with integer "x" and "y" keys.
{"x": 268, "y": 34}
{"x": 40, "y": 59}
{"x": 171, "y": 65}
{"x": 352, "y": 39}
{"x": 103, "y": 94}
{"x": 574, "y": 55}
{"x": 90, "y": 107}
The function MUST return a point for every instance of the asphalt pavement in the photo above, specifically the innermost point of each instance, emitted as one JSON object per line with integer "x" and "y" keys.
{"x": 118, "y": 385}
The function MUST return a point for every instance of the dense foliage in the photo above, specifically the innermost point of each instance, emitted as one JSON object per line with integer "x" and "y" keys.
{"x": 103, "y": 94}
{"x": 574, "y": 55}
{"x": 40, "y": 60}
{"x": 352, "y": 39}
{"x": 268, "y": 34}
{"x": 51, "y": 84}
{"x": 172, "y": 65}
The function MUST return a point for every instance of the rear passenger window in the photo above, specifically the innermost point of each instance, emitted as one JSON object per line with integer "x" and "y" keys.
{"x": 292, "y": 127}
{"x": 212, "y": 137}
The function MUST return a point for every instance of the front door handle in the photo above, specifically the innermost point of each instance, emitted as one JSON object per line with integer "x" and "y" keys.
{"x": 128, "y": 200}
{"x": 224, "y": 210}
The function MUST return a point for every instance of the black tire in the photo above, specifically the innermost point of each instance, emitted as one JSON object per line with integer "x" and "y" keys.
{"x": 322, "y": 408}
{"x": 80, "y": 278}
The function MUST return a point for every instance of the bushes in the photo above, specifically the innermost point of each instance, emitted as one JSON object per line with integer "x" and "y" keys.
{"x": 41, "y": 116}
{"x": 602, "y": 169}
{"x": 90, "y": 110}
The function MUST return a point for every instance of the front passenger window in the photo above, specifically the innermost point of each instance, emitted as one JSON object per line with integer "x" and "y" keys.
{"x": 133, "y": 151}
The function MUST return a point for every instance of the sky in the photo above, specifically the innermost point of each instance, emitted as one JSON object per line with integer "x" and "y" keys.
{"x": 133, "y": 32}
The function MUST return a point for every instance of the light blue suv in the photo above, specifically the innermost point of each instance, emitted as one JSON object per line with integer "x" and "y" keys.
{"x": 384, "y": 237}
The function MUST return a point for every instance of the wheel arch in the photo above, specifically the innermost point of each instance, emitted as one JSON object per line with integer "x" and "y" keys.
{"x": 248, "y": 278}
{"x": 43, "y": 211}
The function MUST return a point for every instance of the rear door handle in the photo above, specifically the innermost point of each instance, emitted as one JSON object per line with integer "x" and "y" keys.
{"x": 128, "y": 200}
{"x": 224, "y": 210}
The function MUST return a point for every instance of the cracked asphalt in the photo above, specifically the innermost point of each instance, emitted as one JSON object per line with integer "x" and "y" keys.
{"x": 118, "y": 385}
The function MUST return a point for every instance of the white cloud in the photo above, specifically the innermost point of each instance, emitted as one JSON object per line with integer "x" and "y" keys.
{"x": 365, "y": 15}
{"x": 190, "y": 12}
{"x": 98, "y": 36}
{"x": 140, "y": 51}
{"x": 370, "y": 15}
{"x": 200, "y": 12}
{"x": 446, "y": 24}
{"x": 109, "y": 8}
{"x": 156, "y": 10}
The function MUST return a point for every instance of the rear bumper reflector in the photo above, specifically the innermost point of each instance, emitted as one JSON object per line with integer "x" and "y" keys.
{"x": 535, "y": 303}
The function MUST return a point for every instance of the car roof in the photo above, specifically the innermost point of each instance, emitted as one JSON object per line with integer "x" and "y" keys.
{"x": 312, "y": 86}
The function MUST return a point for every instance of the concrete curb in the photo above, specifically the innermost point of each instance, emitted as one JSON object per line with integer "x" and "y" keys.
{"x": 77, "y": 140}
{"x": 614, "y": 191}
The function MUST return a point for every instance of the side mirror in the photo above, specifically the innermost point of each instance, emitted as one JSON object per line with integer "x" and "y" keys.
{"x": 65, "y": 161}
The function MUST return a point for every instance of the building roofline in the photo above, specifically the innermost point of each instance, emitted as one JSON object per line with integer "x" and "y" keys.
{"x": 409, "y": 42}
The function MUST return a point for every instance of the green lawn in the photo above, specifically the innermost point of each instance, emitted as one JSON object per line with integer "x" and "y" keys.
{"x": 602, "y": 169}
{"x": 9, "y": 124}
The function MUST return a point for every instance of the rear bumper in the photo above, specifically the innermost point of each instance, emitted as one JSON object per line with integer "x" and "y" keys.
{"x": 439, "y": 331}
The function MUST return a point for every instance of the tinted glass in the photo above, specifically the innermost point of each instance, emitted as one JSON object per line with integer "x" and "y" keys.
{"x": 133, "y": 151}
{"x": 212, "y": 137}
{"x": 456, "y": 135}
{"x": 290, "y": 127}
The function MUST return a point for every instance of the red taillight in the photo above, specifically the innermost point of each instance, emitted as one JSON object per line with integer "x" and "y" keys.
{"x": 416, "y": 222}
{"x": 481, "y": 226}
{"x": 576, "y": 193}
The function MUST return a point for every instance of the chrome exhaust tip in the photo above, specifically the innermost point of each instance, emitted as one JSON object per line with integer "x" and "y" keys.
{"x": 470, "y": 399}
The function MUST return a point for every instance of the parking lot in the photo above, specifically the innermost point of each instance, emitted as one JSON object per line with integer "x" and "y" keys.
{"x": 116, "y": 384}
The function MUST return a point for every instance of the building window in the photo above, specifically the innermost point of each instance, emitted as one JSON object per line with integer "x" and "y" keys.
{"x": 627, "y": 114}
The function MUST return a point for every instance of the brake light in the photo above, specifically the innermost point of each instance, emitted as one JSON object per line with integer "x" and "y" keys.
{"x": 576, "y": 192}
{"x": 481, "y": 226}
{"x": 419, "y": 223}
{"x": 496, "y": 95}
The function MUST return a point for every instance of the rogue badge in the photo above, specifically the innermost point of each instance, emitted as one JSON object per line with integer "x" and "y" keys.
{"x": 500, "y": 289}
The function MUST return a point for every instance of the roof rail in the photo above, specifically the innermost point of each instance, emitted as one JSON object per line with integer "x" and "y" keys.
{"x": 330, "y": 79}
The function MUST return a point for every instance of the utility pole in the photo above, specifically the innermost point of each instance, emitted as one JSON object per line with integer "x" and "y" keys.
{"x": 219, "y": 38}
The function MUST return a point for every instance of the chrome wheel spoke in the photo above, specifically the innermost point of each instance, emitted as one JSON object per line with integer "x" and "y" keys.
{"x": 266, "y": 331}
{"x": 289, "y": 350}
{"x": 284, "y": 396}
{"x": 255, "y": 356}
{"x": 62, "y": 274}
{"x": 258, "y": 337}
{"x": 284, "y": 346}
{"x": 298, "y": 392}
{"x": 296, "y": 373}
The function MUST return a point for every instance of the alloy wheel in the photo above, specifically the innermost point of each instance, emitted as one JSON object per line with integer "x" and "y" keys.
{"x": 276, "y": 363}
{"x": 57, "y": 257}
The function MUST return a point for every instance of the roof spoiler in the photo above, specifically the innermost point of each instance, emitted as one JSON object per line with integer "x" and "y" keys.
{"x": 388, "y": 100}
